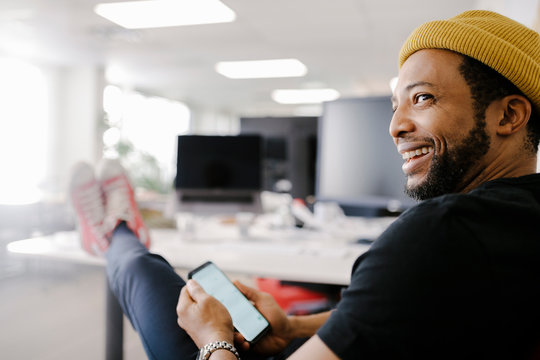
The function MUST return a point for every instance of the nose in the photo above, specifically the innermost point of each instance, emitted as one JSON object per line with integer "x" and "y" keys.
{"x": 401, "y": 124}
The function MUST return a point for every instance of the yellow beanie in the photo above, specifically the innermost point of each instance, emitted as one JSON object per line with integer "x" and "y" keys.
{"x": 503, "y": 44}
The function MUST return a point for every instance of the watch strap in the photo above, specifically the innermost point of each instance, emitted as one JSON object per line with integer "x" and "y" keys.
{"x": 208, "y": 349}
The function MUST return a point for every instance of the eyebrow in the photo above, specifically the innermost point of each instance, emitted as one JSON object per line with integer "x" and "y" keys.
{"x": 412, "y": 86}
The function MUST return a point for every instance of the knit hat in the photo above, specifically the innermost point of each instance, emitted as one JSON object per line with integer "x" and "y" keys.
{"x": 504, "y": 45}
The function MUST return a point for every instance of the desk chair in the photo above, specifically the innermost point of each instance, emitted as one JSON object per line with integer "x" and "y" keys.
{"x": 296, "y": 299}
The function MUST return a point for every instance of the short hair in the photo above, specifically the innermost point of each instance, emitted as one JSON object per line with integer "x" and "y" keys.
{"x": 487, "y": 85}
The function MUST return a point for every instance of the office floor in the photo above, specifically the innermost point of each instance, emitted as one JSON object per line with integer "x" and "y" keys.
{"x": 55, "y": 311}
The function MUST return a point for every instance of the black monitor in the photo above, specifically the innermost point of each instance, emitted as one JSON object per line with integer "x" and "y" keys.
{"x": 290, "y": 151}
{"x": 219, "y": 174}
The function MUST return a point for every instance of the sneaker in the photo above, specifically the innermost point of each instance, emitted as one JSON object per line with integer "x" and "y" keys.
{"x": 87, "y": 201}
{"x": 120, "y": 202}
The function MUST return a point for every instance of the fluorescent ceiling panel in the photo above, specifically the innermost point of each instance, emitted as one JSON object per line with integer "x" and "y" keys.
{"x": 163, "y": 13}
{"x": 304, "y": 96}
{"x": 261, "y": 69}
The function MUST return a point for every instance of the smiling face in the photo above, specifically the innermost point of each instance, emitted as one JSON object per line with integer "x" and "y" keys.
{"x": 434, "y": 125}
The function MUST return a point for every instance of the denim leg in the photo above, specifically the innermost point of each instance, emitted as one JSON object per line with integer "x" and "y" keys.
{"x": 147, "y": 288}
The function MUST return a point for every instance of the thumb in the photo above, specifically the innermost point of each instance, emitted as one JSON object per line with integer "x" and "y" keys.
{"x": 195, "y": 290}
{"x": 249, "y": 292}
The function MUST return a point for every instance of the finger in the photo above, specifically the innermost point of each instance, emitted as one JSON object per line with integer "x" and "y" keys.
{"x": 240, "y": 342}
{"x": 249, "y": 292}
{"x": 184, "y": 300}
{"x": 238, "y": 338}
{"x": 196, "y": 292}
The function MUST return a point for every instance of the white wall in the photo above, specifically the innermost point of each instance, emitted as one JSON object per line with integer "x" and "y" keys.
{"x": 213, "y": 122}
{"x": 76, "y": 111}
{"x": 523, "y": 11}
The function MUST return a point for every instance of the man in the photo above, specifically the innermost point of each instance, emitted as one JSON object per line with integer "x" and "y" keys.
{"x": 456, "y": 276}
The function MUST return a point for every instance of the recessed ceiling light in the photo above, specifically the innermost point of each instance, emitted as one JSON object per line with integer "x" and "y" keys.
{"x": 304, "y": 96}
{"x": 162, "y": 13}
{"x": 261, "y": 69}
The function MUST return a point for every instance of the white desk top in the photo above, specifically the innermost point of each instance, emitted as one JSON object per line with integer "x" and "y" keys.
{"x": 295, "y": 255}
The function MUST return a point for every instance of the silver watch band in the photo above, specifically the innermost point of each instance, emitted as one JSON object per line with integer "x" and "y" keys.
{"x": 208, "y": 349}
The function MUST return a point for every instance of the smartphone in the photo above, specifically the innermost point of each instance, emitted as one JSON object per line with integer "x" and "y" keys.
{"x": 246, "y": 318}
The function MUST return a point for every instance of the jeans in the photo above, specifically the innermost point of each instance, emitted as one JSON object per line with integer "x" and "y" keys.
{"x": 147, "y": 288}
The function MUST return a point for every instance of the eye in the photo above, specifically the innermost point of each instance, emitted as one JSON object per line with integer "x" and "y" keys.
{"x": 419, "y": 98}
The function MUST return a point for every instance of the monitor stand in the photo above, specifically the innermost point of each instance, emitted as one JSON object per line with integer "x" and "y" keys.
{"x": 212, "y": 202}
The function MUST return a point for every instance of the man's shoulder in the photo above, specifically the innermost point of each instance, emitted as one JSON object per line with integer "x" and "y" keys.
{"x": 434, "y": 212}
{"x": 477, "y": 215}
{"x": 491, "y": 197}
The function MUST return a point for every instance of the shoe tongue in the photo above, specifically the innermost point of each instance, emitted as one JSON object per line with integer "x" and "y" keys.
{"x": 118, "y": 200}
{"x": 91, "y": 204}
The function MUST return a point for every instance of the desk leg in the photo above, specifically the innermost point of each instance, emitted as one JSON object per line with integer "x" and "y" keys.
{"x": 114, "y": 333}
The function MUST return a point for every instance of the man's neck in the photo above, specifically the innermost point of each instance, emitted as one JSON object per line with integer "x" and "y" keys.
{"x": 515, "y": 169}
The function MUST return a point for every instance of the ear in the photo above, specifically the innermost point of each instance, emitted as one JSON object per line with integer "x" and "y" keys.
{"x": 516, "y": 111}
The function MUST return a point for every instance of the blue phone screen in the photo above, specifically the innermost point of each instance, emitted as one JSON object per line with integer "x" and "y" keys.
{"x": 246, "y": 318}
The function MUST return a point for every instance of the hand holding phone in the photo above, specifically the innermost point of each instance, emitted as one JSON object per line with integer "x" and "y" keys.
{"x": 246, "y": 318}
{"x": 281, "y": 331}
{"x": 203, "y": 317}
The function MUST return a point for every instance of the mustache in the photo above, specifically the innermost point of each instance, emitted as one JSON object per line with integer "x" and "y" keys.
{"x": 411, "y": 138}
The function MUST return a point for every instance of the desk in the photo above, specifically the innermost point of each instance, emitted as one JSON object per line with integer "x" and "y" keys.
{"x": 296, "y": 255}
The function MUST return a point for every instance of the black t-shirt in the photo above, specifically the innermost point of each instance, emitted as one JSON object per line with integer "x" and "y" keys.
{"x": 456, "y": 277}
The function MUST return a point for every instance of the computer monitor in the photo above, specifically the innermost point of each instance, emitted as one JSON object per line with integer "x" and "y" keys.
{"x": 219, "y": 174}
{"x": 290, "y": 151}
{"x": 358, "y": 165}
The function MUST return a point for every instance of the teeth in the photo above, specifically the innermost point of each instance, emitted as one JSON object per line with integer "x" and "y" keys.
{"x": 410, "y": 154}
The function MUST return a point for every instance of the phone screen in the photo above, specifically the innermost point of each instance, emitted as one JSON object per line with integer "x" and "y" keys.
{"x": 246, "y": 318}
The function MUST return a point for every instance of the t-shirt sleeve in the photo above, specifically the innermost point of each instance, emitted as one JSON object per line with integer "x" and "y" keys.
{"x": 400, "y": 289}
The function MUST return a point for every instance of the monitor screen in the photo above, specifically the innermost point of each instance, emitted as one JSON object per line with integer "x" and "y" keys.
{"x": 358, "y": 162}
{"x": 219, "y": 162}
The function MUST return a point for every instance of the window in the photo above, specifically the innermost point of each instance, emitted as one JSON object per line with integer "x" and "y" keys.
{"x": 142, "y": 132}
{"x": 23, "y": 131}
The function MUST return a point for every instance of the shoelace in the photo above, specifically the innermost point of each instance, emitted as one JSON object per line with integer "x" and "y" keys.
{"x": 90, "y": 204}
{"x": 118, "y": 199}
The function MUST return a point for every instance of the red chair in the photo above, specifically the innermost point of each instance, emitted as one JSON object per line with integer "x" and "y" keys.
{"x": 293, "y": 299}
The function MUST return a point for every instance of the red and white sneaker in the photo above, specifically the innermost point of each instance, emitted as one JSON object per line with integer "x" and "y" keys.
{"x": 87, "y": 201}
{"x": 120, "y": 202}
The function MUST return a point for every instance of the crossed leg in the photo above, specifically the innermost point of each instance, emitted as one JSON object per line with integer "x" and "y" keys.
{"x": 147, "y": 288}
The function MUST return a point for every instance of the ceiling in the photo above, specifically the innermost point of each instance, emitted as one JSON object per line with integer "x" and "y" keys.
{"x": 349, "y": 45}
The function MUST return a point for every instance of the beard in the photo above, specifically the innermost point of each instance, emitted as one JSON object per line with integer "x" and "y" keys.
{"x": 448, "y": 171}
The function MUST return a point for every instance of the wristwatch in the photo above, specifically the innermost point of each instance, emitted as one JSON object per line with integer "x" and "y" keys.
{"x": 208, "y": 349}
